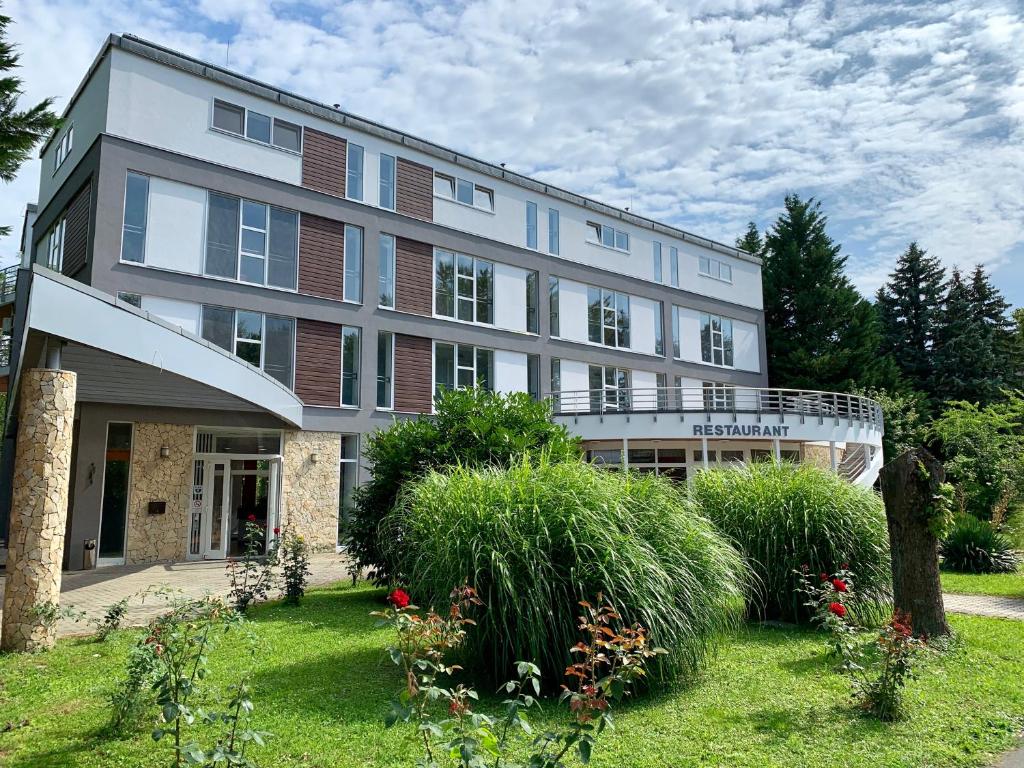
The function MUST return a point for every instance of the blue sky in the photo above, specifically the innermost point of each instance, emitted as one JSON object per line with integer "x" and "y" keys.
{"x": 905, "y": 119}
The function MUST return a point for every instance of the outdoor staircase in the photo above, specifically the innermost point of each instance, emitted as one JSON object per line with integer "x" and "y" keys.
{"x": 861, "y": 465}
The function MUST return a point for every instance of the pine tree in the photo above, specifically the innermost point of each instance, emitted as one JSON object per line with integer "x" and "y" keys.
{"x": 751, "y": 242}
{"x": 20, "y": 130}
{"x": 1017, "y": 353}
{"x": 966, "y": 364}
{"x": 822, "y": 334}
{"x": 993, "y": 310}
{"x": 908, "y": 309}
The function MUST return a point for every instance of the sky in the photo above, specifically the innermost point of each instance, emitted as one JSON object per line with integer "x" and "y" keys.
{"x": 906, "y": 120}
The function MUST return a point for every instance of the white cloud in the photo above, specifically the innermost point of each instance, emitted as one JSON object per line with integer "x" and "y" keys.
{"x": 906, "y": 119}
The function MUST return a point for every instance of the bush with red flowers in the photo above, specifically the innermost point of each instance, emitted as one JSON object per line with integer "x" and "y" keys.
{"x": 881, "y": 675}
{"x": 399, "y": 598}
{"x": 827, "y": 601}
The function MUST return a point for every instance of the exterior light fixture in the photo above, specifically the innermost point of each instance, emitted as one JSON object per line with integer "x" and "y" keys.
{"x": 314, "y": 457}
{"x": 165, "y": 452}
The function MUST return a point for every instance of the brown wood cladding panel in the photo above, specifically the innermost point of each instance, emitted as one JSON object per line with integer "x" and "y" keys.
{"x": 76, "y": 232}
{"x": 414, "y": 273}
{"x": 414, "y": 381}
{"x": 414, "y": 189}
{"x": 323, "y": 162}
{"x": 321, "y": 257}
{"x": 318, "y": 362}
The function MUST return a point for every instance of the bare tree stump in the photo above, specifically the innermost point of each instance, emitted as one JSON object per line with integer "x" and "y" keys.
{"x": 910, "y": 485}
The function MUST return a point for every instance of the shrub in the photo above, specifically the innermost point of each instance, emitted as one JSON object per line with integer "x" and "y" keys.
{"x": 293, "y": 554}
{"x": 975, "y": 546}
{"x": 537, "y": 538}
{"x": 472, "y": 427}
{"x": 784, "y": 516}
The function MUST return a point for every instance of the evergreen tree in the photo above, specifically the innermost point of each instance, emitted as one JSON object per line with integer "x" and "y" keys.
{"x": 822, "y": 334}
{"x": 1017, "y": 353}
{"x": 908, "y": 309}
{"x": 751, "y": 242}
{"x": 20, "y": 130}
{"x": 993, "y": 310}
{"x": 966, "y": 363}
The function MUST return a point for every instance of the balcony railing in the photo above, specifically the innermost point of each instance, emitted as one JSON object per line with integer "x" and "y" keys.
{"x": 708, "y": 401}
{"x": 8, "y": 283}
{"x": 5, "y": 351}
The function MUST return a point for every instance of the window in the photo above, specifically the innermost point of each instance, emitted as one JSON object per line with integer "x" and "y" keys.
{"x": 349, "y": 365}
{"x": 386, "y": 193}
{"x": 553, "y": 226}
{"x": 532, "y": 303}
{"x": 659, "y": 328}
{"x": 463, "y": 287}
{"x": 133, "y": 233}
{"x": 264, "y": 341}
{"x": 673, "y": 265}
{"x": 718, "y": 397}
{"x": 716, "y": 340}
{"x": 556, "y": 381}
{"x": 609, "y": 388}
{"x": 55, "y": 246}
{"x": 251, "y": 242}
{"x": 715, "y": 268}
{"x": 385, "y": 367}
{"x": 256, "y": 126}
{"x": 130, "y": 298}
{"x": 462, "y": 366}
{"x": 675, "y": 333}
{"x": 533, "y": 376}
{"x": 661, "y": 383}
{"x": 63, "y": 148}
{"x": 354, "y": 172}
{"x": 463, "y": 191}
{"x": 609, "y": 237}
{"x": 553, "y": 306}
{"x": 386, "y": 278}
{"x": 353, "y": 280}
{"x": 116, "y": 472}
{"x": 608, "y": 317}
{"x": 531, "y": 225}
{"x": 659, "y": 276}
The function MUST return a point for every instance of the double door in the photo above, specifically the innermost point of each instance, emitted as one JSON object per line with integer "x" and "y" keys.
{"x": 229, "y": 494}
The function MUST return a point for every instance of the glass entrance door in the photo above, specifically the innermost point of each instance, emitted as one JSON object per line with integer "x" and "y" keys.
{"x": 251, "y": 502}
{"x": 216, "y": 511}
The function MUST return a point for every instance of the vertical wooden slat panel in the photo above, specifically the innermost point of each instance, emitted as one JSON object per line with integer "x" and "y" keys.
{"x": 414, "y": 379}
{"x": 414, "y": 189}
{"x": 414, "y": 274}
{"x": 76, "y": 232}
{"x": 321, "y": 257}
{"x": 318, "y": 362}
{"x": 323, "y": 162}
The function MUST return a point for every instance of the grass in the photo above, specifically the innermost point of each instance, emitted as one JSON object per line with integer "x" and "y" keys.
{"x": 768, "y": 698}
{"x": 995, "y": 584}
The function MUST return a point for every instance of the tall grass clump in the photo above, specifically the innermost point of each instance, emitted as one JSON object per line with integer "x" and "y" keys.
{"x": 537, "y": 537}
{"x": 784, "y": 516}
{"x": 975, "y": 546}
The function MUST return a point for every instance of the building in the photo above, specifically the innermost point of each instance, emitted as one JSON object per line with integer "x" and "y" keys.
{"x": 246, "y": 282}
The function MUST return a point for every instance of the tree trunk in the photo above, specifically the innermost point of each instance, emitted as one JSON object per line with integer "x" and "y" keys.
{"x": 909, "y": 494}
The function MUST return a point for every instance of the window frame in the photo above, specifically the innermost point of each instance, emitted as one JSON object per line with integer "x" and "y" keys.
{"x": 386, "y": 266}
{"x": 456, "y": 367}
{"x": 389, "y": 375}
{"x": 244, "y": 134}
{"x": 457, "y": 278}
{"x": 241, "y": 227}
{"x": 609, "y": 302}
{"x": 353, "y": 376}
{"x": 532, "y": 302}
{"x": 391, "y": 179}
{"x": 475, "y": 188}
{"x": 673, "y": 266}
{"x": 55, "y": 245}
{"x": 714, "y": 268}
{"x": 359, "y": 150}
{"x": 359, "y": 262}
{"x": 554, "y": 231}
{"x": 532, "y": 238}
{"x": 262, "y": 342}
{"x": 718, "y": 397}
{"x": 657, "y": 266}
{"x": 63, "y": 148}
{"x": 145, "y": 222}
{"x": 611, "y": 397}
{"x": 725, "y": 331}
{"x": 606, "y": 232}
{"x": 554, "y": 308}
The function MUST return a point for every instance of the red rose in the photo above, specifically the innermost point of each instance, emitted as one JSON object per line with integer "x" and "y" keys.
{"x": 839, "y": 584}
{"x": 824, "y": 577}
{"x": 845, "y": 566}
{"x": 838, "y": 609}
{"x": 399, "y": 598}
{"x": 251, "y": 518}
{"x": 277, "y": 531}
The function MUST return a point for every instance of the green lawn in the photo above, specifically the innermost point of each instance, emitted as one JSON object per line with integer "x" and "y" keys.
{"x": 768, "y": 699}
{"x": 998, "y": 584}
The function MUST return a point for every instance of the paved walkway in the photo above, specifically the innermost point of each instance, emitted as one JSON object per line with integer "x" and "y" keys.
{"x": 92, "y": 592}
{"x": 985, "y": 605}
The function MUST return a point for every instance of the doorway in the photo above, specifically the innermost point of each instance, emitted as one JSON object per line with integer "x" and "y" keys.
{"x": 230, "y": 492}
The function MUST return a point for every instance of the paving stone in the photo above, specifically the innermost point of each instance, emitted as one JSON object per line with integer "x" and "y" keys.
{"x": 985, "y": 605}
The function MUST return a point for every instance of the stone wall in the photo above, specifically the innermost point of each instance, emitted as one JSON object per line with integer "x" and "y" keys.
{"x": 159, "y": 537}
{"x": 818, "y": 455}
{"x": 310, "y": 490}
{"x": 39, "y": 507}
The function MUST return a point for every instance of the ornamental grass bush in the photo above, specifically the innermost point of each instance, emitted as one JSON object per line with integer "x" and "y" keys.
{"x": 536, "y": 538}
{"x": 786, "y": 516}
{"x": 975, "y": 546}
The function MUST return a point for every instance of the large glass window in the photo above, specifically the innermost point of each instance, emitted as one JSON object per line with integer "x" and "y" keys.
{"x": 279, "y": 348}
{"x": 349, "y": 365}
{"x": 353, "y": 287}
{"x": 532, "y": 303}
{"x": 715, "y": 268}
{"x": 222, "y": 236}
{"x": 716, "y": 340}
{"x": 659, "y": 276}
{"x": 608, "y": 317}
{"x": 133, "y": 233}
{"x": 718, "y": 397}
{"x": 556, "y": 377}
{"x": 675, "y": 333}
{"x": 463, "y": 287}
{"x": 218, "y": 326}
{"x": 354, "y": 172}
{"x": 553, "y": 230}
{"x": 553, "y": 306}
{"x": 463, "y": 191}
{"x": 253, "y": 268}
{"x": 249, "y": 337}
{"x": 287, "y": 135}
{"x": 463, "y": 366}
{"x": 531, "y": 225}
{"x": 673, "y": 265}
{"x": 602, "y": 234}
{"x": 282, "y": 248}
{"x": 385, "y": 368}
{"x": 228, "y": 117}
{"x": 386, "y": 270}
{"x": 533, "y": 376}
{"x": 256, "y": 126}
{"x": 659, "y": 328}
{"x": 610, "y": 386}
{"x": 54, "y": 246}
{"x": 264, "y": 341}
{"x": 386, "y": 192}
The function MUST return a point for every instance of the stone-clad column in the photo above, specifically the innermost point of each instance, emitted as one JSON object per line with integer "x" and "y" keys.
{"x": 39, "y": 507}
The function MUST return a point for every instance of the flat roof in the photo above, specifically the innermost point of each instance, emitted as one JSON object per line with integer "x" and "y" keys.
{"x": 171, "y": 58}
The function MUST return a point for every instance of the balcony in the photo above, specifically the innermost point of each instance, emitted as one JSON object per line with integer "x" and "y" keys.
{"x": 843, "y": 431}
{"x": 8, "y": 284}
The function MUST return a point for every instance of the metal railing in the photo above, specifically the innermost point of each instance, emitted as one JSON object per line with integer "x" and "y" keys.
{"x": 5, "y": 351}
{"x": 805, "y": 404}
{"x": 8, "y": 283}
